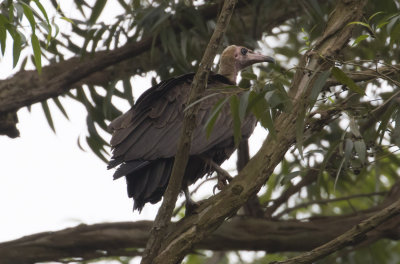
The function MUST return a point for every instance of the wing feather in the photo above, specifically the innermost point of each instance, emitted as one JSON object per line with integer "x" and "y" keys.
{"x": 151, "y": 129}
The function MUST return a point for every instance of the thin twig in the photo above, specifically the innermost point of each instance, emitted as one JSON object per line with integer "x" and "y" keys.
{"x": 325, "y": 201}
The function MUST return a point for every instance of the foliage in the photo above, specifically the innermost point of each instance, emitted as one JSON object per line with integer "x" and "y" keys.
{"x": 355, "y": 154}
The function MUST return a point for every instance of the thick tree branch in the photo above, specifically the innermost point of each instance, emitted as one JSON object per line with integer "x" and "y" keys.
{"x": 198, "y": 87}
{"x": 27, "y": 87}
{"x": 115, "y": 239}
{"x": 57, "y": 78}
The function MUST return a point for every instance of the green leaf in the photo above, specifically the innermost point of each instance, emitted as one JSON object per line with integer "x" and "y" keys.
{"x": 348, "y": 147}
{"x": 11, "y": 13}
{"x": 261, "y": 110}
{"x": 136, "y": 4}
{"x": 161, "y": 20}
{"x": 67, "y": 19}
{"x": 107, "y": 100}
{"x": 383, "y": 23}
{"x": 374, "y": 15}
{"x": 128, "y": 90}
{"x": 327, "y": 157}
{"x": 361, "y": 150}
{"x": 43, "y": 10}
{"x": 95, "y": 146}
{"x": 3, "y": 37}
{"x": 341, "y": 77}
{"x": 29, "y": 15}
{"x": 16, "y": 48}
{"x": 396, "y": 131}
{"x": 47, "y": 113}
{"x": 359, "y": 39}
{"x": 244, "y": 101}
{"x": 200, "y": 100}
{"x": 354, "y": 129}
{"x": 214, "y": 115}
{"x": 290, "y": 176}
{"x": 318, "y": 84}
{"x": 385, "y": 117}
{"x": 20, "y": 11}
{"x": 361, "y": 24}
{"x": 338, "y": 173}
{"x": 60, "y": 106}
{"x": 254, "y": 98}
{"x": 37, "y": 54}
{"x": 395, "y": 34}
{"x": 125, "y": 6}
{"x": 237, "y": 134}
{"x": 249, "y": 76}
{"x": 80, "y": 145}
{"x": 57, "y": 30}
{"x": 96, "y": 11}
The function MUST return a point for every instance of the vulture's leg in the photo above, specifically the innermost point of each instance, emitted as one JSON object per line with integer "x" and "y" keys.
{"x": 191, "y": 205}
{"x": 223, "y": 176}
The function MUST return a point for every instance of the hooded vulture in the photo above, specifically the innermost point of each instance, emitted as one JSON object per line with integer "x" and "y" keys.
{"x": 145, "y": 138}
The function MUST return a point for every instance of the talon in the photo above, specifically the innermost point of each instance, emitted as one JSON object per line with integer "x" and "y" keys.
{"x": 215, "y": 187}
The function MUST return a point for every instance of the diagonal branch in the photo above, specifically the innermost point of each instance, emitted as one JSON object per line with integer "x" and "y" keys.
{"x": 198, "y": 86}
{"x": 354, "y": 235}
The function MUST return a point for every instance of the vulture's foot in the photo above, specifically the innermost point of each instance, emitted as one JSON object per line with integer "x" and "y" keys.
{"x": 190, "y": 204}
{"x": 223, "y": 180}
{"x": 191, "y": 207}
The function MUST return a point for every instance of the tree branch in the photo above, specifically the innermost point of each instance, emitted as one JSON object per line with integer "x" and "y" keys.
{"x": 353, "y": 236}
{"x": 326, "y": 201}
{"x": 198, "y": 86}
{"x": 116, "y": 239}
{"x": 55, "y": 78}
{"x": 27, "y": 87}
{"x": 367, "y": 75}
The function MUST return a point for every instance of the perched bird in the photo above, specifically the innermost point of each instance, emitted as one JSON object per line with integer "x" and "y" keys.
{"x": 145, "y": 138}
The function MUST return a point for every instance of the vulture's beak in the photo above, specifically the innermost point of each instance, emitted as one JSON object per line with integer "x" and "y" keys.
{"x": 257, "y": 57}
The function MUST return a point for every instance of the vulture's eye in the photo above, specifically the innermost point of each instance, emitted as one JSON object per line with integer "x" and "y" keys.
{"x": 243, "y": 51}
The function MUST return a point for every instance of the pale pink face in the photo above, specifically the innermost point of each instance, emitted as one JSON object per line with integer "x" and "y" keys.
{"x": 235, "y": 58}
{"x": 245, "y": 57}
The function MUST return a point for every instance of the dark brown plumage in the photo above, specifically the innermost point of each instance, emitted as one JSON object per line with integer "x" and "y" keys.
{"x": 145, "y": 138}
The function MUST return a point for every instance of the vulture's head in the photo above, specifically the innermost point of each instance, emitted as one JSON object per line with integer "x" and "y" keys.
{"x": 235, "y": 58}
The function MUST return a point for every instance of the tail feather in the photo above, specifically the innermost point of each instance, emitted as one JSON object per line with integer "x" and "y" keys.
{"x": 128, "y": 167}
{"x": 148, "y": 183}
{"x": 148, "y": 180}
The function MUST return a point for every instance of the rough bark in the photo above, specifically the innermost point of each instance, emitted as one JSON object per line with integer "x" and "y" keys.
{"x": 252, "y": 206}
{"x": 116, "y": 239}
